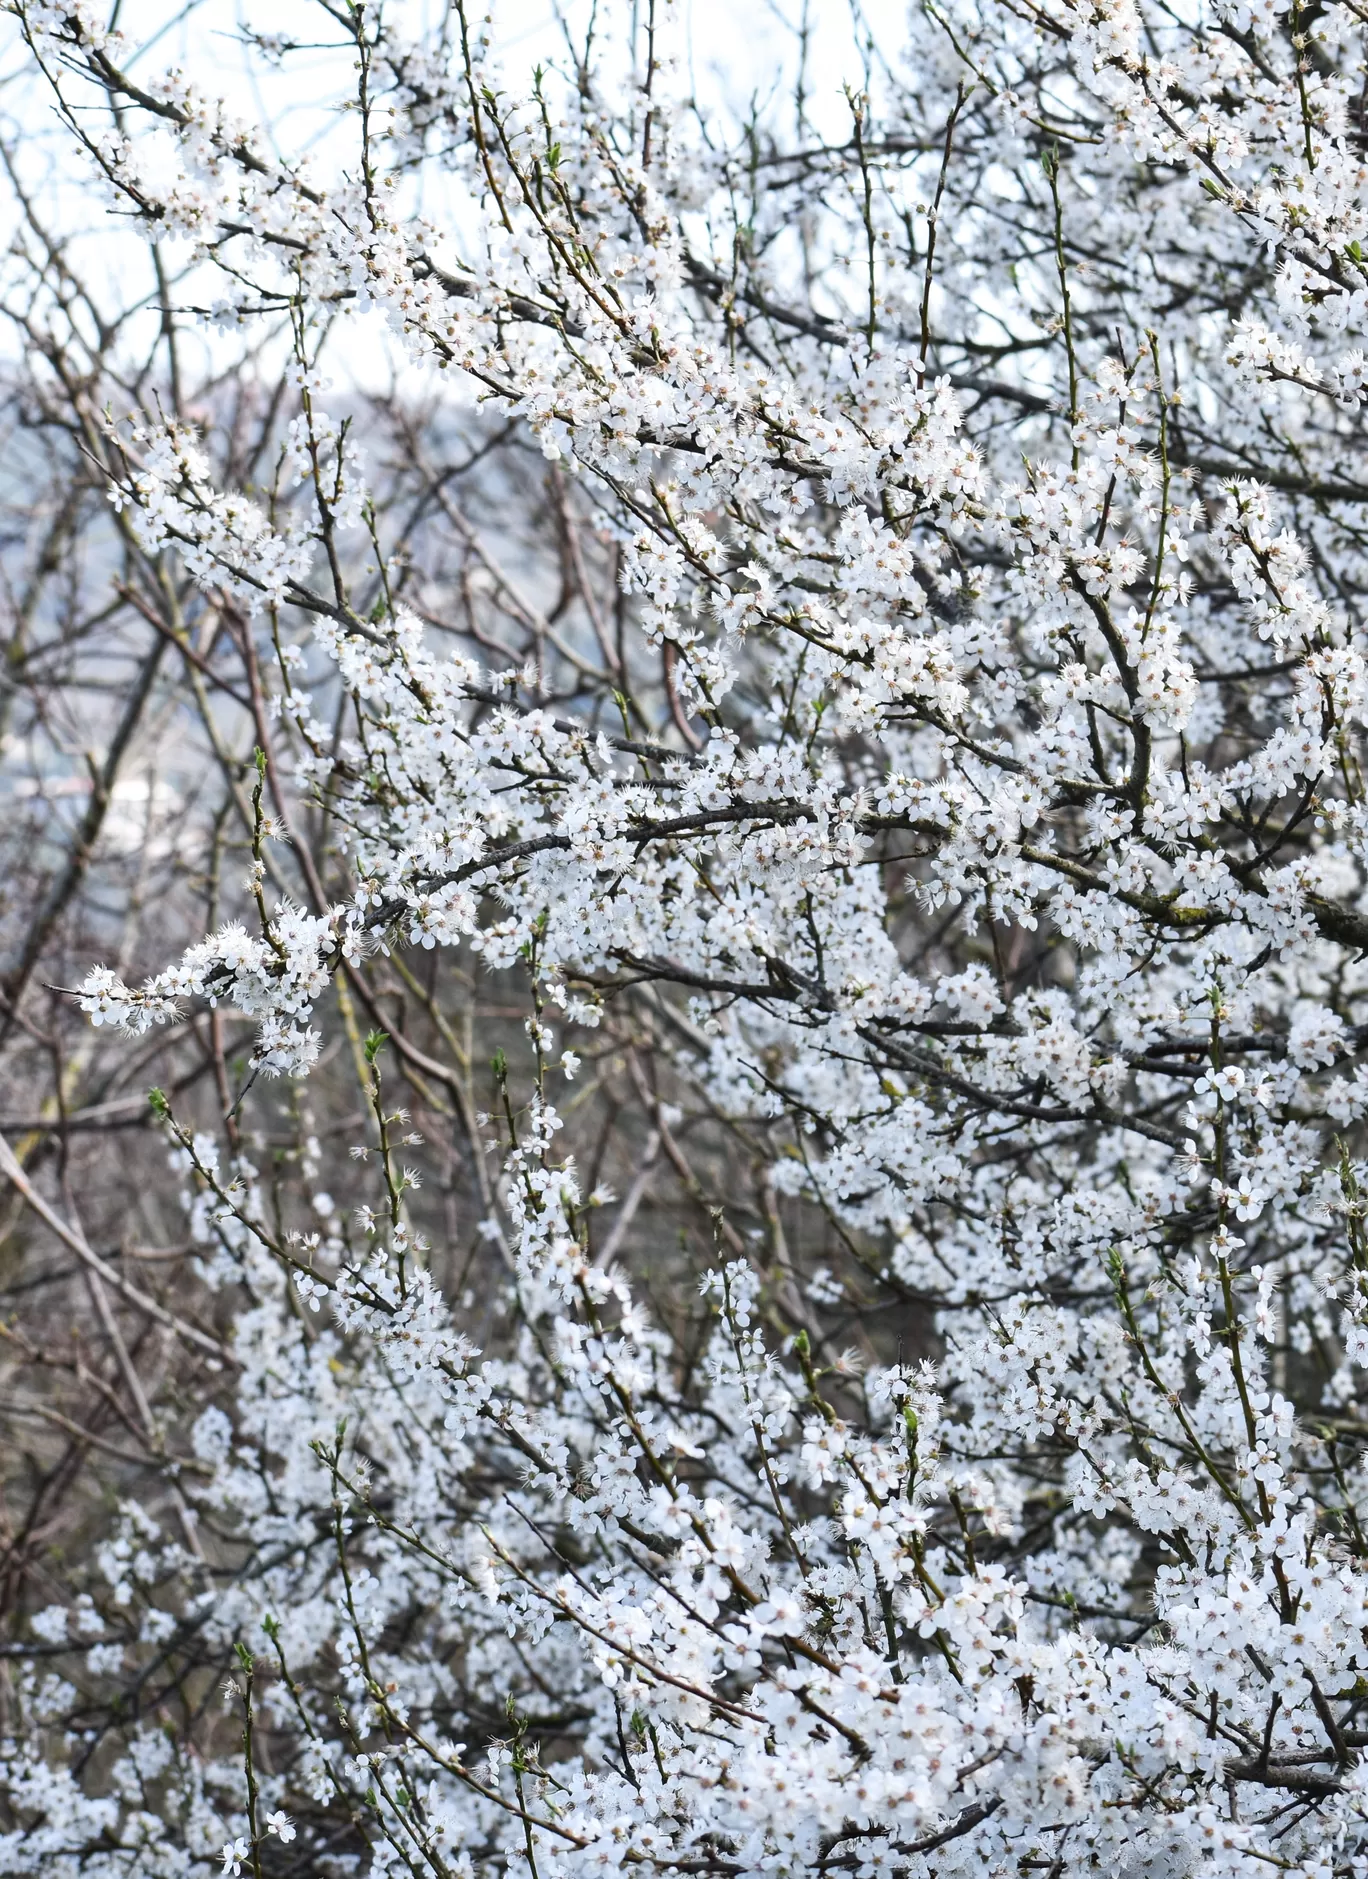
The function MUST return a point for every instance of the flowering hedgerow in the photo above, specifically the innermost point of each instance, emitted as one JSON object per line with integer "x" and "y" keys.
{"x": 1002, "y": 531}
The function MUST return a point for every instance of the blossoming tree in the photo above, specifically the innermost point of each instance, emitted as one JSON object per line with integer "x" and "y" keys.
{"x": 950, "y": 772}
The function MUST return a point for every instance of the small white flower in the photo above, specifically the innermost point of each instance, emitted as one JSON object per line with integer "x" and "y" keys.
{"x": 1224, "y": 1244}
{"x": 311, "y": 1290}
{"x": 1219, "y": 1086}
{"x": 1248, "y": 1199}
